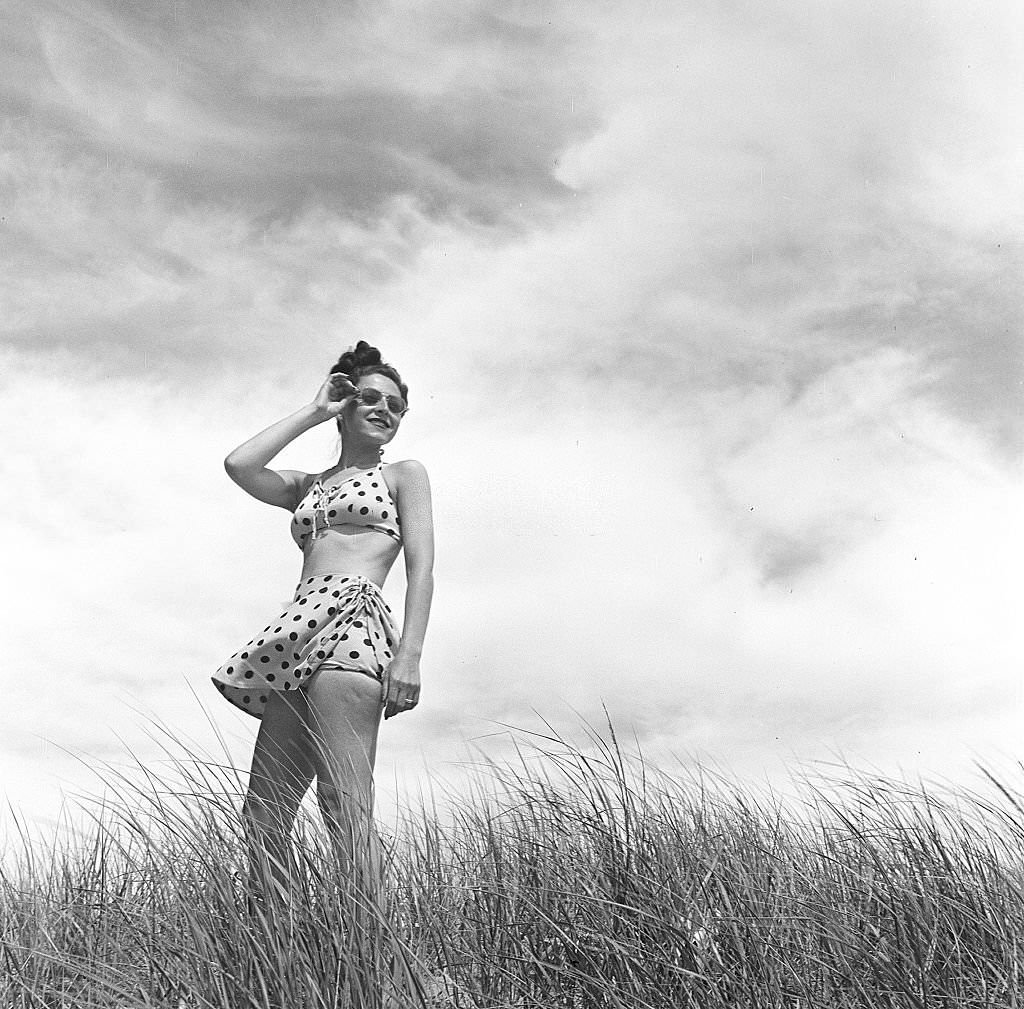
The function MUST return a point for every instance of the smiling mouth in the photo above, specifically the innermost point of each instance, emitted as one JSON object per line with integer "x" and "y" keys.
{"x": 380, "y": 423}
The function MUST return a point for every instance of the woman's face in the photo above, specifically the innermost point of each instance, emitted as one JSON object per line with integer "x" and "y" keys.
{"x": 376, "y": 422}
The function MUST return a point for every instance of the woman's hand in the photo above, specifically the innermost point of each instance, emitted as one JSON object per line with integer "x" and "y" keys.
{"x": 401, "y": 685}
{"x": 334, "y": 394}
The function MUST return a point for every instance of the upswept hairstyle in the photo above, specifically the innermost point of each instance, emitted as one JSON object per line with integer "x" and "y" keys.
{"x": 362, "y": 359}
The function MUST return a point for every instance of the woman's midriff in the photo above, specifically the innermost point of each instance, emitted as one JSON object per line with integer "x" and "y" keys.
{"x": 351, "y": 550}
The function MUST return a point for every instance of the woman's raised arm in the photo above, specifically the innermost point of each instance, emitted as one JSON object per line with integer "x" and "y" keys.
{"x": 247, "y": 464}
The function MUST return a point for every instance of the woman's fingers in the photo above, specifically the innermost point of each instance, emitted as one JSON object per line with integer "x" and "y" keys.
{"x": 341, "y": 387}
{"x": 336, "y": 391}
{"x": 399, "y": 697}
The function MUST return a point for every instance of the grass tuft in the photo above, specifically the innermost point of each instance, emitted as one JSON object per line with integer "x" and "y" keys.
{"x": 575, "y": 876}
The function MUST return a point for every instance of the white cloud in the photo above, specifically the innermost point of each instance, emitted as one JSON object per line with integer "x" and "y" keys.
{"x": 715, "y": 439}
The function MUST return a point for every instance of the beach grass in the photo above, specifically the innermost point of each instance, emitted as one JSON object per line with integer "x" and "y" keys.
{"x": 576, "y": 875}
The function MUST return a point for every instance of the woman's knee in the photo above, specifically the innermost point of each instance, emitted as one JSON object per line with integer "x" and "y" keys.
{"x": 256, "y": 812}
{"x": 341, "y": 803}
{"x": 271, "y": 811}
{"x": 332, "y": 799}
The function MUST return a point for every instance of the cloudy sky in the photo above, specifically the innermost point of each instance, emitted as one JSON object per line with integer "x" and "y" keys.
{"x": 711, "y": 317}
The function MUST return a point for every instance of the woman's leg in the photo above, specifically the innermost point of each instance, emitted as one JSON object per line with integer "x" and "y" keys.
{"x": 282, "y": 770}
{"x": 345, "y": 710}
{"x": 344, "y": 715}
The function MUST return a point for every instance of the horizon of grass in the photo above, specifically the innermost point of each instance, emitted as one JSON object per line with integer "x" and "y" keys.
{"x": 574, "y": 876}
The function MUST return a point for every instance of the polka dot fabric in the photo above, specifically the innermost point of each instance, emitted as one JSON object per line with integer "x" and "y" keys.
{"x": 335, "y": 621}
{"x": 362, "y": 499}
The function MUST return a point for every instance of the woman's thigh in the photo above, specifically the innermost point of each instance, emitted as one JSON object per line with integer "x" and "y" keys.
{"x": 283, "y": 762}
{"x": 344, "y": 715}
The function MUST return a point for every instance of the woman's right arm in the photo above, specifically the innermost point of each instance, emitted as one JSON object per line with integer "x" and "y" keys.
{"x": 247, "y": 464}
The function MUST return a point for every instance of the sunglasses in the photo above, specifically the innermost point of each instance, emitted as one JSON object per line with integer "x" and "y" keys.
{"x": 371, "y": 397}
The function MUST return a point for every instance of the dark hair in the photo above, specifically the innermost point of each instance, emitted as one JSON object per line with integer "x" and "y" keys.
{"x": 362, "y": 359}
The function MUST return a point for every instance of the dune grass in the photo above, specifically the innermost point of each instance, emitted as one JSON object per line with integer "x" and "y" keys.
{"x": 577, "y": 876}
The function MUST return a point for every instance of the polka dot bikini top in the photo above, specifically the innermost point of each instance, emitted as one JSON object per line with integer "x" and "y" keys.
{"x": 362, "y": 499}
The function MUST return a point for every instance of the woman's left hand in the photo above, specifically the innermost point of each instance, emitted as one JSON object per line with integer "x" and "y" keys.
{"x": 401, "y": 685}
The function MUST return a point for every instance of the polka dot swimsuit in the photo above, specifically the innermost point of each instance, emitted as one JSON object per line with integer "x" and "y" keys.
{"x": 362, "y": 499}
{"x": 337, "y": 621}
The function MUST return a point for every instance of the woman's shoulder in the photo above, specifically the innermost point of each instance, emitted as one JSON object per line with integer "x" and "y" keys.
{"x": 408, "y": 473}
{"x": 410, "y": 467}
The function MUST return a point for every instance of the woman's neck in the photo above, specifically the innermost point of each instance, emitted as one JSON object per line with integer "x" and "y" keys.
{"x": 359, "y": 459}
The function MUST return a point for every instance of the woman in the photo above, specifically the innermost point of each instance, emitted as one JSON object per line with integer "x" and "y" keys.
{"x": 320, "y": 675}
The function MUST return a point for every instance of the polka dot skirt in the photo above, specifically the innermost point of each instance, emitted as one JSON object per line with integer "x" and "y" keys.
{"x": 338, "y": 621}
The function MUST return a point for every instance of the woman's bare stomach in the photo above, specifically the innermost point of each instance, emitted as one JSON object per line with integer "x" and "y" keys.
{"x": 351, "y": 550}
